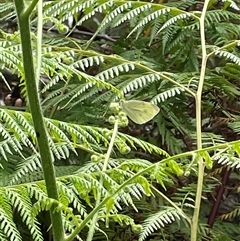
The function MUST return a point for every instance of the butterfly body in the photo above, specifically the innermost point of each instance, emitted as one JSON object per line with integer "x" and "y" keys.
{"x": 139, "y": 111}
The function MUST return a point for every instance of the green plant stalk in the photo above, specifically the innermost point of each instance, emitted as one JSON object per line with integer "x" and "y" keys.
{"x": 39, "y": 41}
{"x": 23, "y": 14}
{"x": 180, "y": 210}
{"x": 99, "y": 204}
{"x": 201, "y": 164}
{"x": 231, "y": 44}
{"x": 162, "y": 75}
{"x": 107, "y": 157}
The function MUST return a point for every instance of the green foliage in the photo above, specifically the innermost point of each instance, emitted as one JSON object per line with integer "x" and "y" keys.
{"x": 157, "y": 58}
{"x": 159, "y": 220}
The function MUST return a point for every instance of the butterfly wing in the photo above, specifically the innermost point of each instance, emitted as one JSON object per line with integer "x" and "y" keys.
{"x": 139, "y": 111}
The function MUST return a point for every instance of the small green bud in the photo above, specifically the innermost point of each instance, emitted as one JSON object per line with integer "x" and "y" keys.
{"x": 10, "y": 37}
{"x": 111, "y": 120}
{"x": 136, "y": 228}
{"x": 115, "y": 107}
{"x": 62, "y": 29}
{"x": 123, "y": 121}
{"x": 152, "y": 176}
{"x": 122, "y": 114}
{"x": 124, "y": 150}
{"x": 68, "y": 60}
{"x": 187, "y": 173}
{"x": 95, "y": 158}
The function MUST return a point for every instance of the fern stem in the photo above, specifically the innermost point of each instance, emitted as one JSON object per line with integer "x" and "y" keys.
{"x": 201, "y": 165}
{"x": 161, "y": 74}
{"x": 98, "y": 201}
{"x": 89, "y": 42}
{"x": 30, "y": 8}
{"x": 111, "y": 144}
{"x": 39, "y": 41}
{"x": 180, "y": 210}
{"x": 99, "y": 204}
{"x": 232, "y": 44}
{"x": 37, "y": 117}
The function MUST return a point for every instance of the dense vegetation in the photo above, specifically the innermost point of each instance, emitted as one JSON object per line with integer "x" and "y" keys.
{"x": 175, "y": 177}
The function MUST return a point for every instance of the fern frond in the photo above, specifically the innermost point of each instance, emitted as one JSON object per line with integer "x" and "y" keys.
{"x": 208, "y": 139}
{"x": 100, "y": 8}
{"x": 218, "y": 15}
{"x": 159, "y": 220}
{"x": 228, "y": 228}
{"x": 25, "y": 167}
{"x": 167, "y": 94}
{"x": 225, "y": 32}
{"x": 229, "y": 56}
{"x": 8, "y": 9}
{"x": 133, "y": 13}
{"x": 132, "y": 141}
{"x": 174, "y": 20}
{"x": 19, "y": 198}
{"x": 233, "y": 214}
{"x": 176, "y": 39}
{"x": 214, "y": 16}
{"x": 88, "y": 62}
{"x": 8, "y": 227}
{"x": 58, "y": 135}
{"x": 114, "y": 71}
{"x": 115, "y": 14}
{"x": 138, "y": 83}
{"x": 229, "y": 160}
{"x": 183, "y": 5}
{"x": 185, "y": 195}
{"x": 149, "y": 18}
{"x": 68, "y": 8}
{"x": 12, "y": 142}
{"x": 69, "y": 196}
{"x": 232, "y": 4}
{"x": 48, "y": 203}
{"x": 11, "y": 121}
{"x": 9, "y": 58}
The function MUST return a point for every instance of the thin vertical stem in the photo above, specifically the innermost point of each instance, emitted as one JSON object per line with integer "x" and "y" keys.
{"x": 106, "y": 160}
{"x": 201, "y": 165}
{"x": 39, "y": 41}
{"x": 37, "y": 116}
